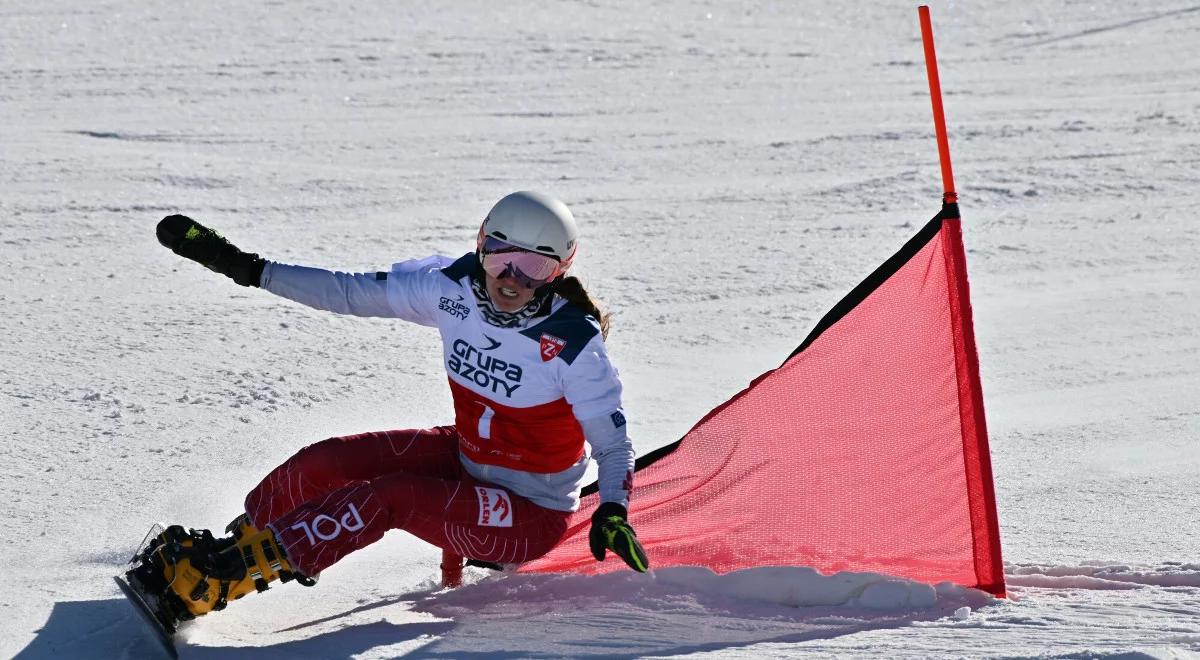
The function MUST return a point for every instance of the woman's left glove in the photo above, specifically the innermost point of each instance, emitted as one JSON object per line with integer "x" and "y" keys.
{"x": 192, "y": 240}
{"x": 611, "y": 531}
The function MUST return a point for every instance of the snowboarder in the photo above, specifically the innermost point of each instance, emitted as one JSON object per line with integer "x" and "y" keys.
{"x": 523, "y": 346}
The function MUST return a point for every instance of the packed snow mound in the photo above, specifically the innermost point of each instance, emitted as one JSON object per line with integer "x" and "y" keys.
{"x": 680, "y": 610}
{"x": 775, "y": 585}
{"x": 1165, "y": 653}
{"x": 805, "y": 587}
{"x": 1104, "y": 575}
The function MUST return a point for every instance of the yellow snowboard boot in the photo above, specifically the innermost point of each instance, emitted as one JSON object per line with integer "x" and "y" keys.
{"x": 191, "y": 573}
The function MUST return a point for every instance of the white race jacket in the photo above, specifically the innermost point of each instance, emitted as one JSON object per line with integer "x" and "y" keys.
{"x": 525, "y": 398}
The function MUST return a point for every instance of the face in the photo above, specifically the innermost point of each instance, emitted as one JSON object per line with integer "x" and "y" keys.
{"x": 513, "y": 274}
{"x": 508, "y": 295}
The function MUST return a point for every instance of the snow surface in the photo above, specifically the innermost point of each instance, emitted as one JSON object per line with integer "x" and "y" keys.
{"x": 736, "y": 168}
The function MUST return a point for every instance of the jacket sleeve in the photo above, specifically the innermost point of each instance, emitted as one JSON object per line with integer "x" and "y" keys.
{"x": 408, "y": 291}
{"x": 593, "y": 389}
{"x": 614, "y": 456}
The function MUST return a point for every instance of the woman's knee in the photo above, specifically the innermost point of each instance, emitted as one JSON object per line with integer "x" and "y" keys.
{"x": 326, "y": 459}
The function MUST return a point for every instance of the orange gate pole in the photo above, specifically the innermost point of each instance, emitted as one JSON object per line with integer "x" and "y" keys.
{"x": 452, "y": 568}
{"x": 989, "y": 567}
{"x": 939, "y": 116}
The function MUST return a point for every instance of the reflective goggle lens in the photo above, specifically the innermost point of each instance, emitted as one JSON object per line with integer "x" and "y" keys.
{"x": 530, "y": 269}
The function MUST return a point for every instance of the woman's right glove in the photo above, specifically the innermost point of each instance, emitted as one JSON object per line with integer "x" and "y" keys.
{"x": 611, "y": 531}
{"x": 192, "y": 240}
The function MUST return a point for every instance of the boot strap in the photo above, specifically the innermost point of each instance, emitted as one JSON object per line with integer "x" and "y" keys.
{"x": 249, "y": 561}
{"x": 252, "y": 567}
{"x": 271, "y": 557}
{"x": 222, "y": 596}
{"x": 200, "y": 589}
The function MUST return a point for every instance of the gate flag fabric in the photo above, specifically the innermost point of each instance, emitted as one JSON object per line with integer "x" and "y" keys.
{"x": 866, "y": 450}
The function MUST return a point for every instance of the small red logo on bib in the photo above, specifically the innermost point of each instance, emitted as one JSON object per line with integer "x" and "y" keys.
{"x": 551, "y": 347}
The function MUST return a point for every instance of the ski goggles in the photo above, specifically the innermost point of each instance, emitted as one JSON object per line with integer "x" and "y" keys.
{"x": 504, "y": 260}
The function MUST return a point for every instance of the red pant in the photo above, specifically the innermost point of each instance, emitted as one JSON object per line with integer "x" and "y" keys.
{"x": 341, "y": 494}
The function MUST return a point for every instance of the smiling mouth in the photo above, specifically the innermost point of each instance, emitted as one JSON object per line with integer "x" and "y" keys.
{"x": 507, "y": 292}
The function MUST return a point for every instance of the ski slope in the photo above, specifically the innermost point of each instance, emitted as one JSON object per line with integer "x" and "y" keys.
{"x": 735, "y": 168}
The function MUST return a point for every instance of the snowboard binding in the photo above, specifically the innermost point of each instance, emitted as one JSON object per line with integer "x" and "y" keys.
{"x": 181, "y": 574}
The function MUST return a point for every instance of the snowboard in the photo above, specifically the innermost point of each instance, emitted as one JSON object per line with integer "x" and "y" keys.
{"x": 161, "y": 633}
{"x": 161, "y": 626}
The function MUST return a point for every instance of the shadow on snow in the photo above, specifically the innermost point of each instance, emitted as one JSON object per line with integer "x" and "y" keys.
{"x": 518, "y": 616}
{"x": 110, "y": 629}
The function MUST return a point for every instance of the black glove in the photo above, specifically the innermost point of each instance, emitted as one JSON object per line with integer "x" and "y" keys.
{"x": 610, "y": 531}
{"x": 192, "y": 240}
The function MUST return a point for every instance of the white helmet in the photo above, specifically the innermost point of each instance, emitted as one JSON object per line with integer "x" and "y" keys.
{"x": 535, "y": 222}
